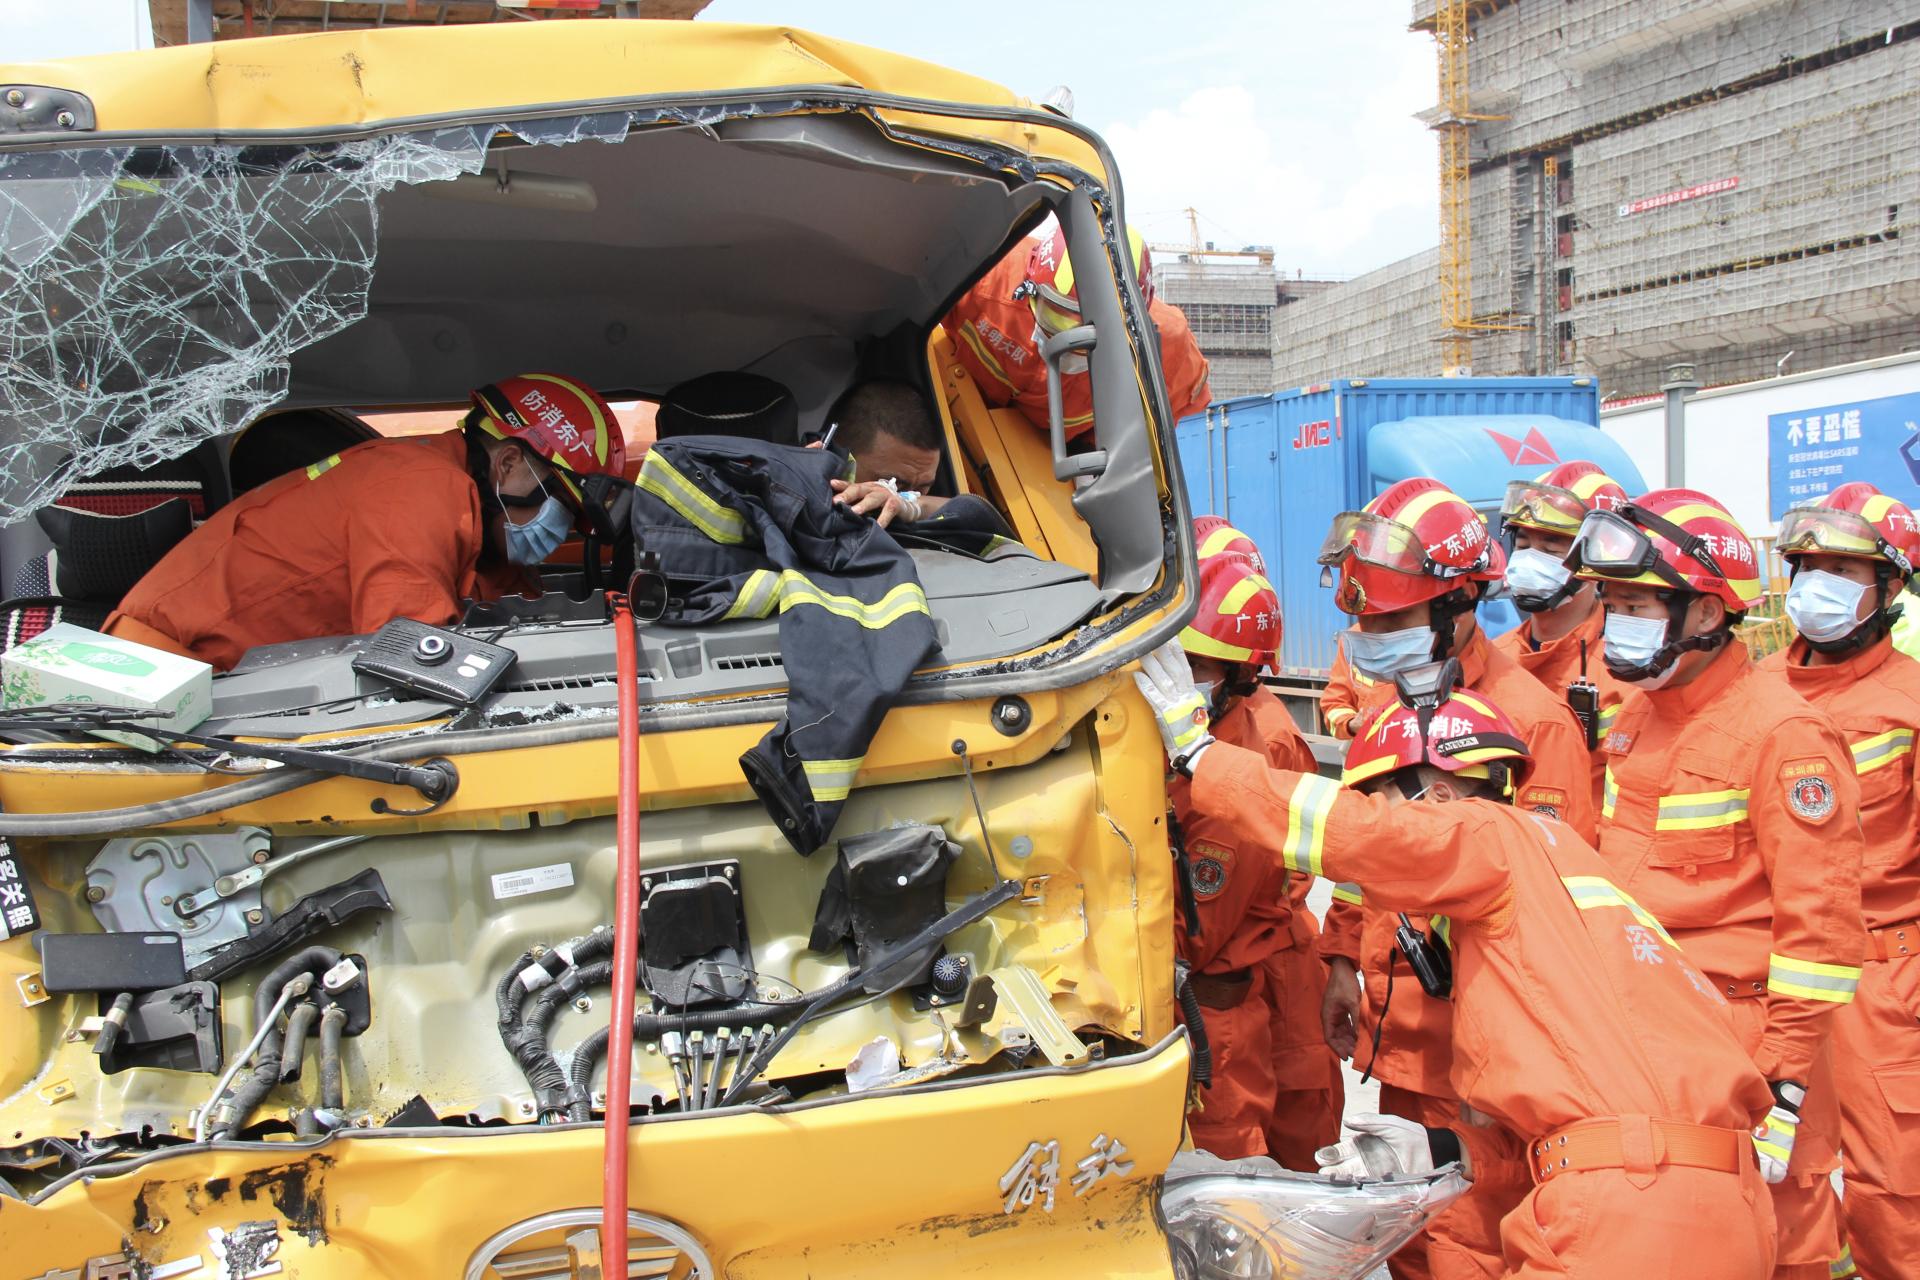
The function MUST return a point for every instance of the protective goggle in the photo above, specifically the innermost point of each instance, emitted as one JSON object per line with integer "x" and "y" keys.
{"x": 1053, "y": 311}
{"x": 1388, "y": 544}
{"x": 1840, "y": 533}
{"x": 1544, "y": 506}
{"x": 1614, "y": 545}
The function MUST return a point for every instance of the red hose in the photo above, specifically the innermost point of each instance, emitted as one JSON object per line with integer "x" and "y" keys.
{"x": 626, "y": 944}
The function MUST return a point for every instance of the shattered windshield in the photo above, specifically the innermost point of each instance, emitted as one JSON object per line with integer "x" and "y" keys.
{"x": 151, "y": 297}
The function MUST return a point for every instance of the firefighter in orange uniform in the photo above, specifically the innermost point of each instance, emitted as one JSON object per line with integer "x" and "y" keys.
{"x": 1410, "y": 569}
{"x": 1604, "y": 1083}
{"x": 1559, "y": 642}
{"x": 403, "y": 528}
{"x": 1029, "y": 296}
{"x": 1852, "y": 553}
{"x": 1732, "y": 814}
{"x": 1249, "y": 939}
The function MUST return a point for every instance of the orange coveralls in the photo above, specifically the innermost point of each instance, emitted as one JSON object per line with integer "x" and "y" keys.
{"x": 1873, "y": 698}
{"x": 1276, "y": 1086}
{"x": 1576, "y": 655}
{"x": 1732, "y": 814}
{"x": 387, "y": 529}
{"x": 1414, "y": 1055}
{"x": 993, "y": 336}
{"x": 1572, "y": 1008}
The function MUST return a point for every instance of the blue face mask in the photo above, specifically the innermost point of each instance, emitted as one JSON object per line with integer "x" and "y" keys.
{"x": 534, "y": 541}
{"x": 1384, "y": 654}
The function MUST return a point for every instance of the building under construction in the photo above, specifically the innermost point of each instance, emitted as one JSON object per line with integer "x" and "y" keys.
{"x": 1731, "y": 183}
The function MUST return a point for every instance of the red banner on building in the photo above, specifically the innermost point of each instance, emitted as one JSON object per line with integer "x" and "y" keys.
{"x": 1666, "y": 198}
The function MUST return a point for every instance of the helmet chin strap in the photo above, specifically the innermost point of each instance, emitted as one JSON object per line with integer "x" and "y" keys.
{"x": 1546, "y": 604}
{"x": 1442, "y": 613}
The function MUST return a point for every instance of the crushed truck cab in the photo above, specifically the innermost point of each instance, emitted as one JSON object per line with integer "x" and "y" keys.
{"x": 375, "y": 1044}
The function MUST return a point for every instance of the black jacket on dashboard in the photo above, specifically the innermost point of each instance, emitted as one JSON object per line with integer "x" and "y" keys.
{"x": 745, "y": 529}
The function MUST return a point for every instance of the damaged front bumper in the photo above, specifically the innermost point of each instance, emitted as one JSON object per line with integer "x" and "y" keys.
{"x": 1049, "y": 1172}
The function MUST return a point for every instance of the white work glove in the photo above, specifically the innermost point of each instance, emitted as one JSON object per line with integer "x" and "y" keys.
{"x": 1773, "y": 1142}
{"x": 1166, "y": 682}
{"x": 1381, "y": 1147}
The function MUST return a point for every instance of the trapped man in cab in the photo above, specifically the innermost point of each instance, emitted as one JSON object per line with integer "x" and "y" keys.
{"x": 401, "y": 528}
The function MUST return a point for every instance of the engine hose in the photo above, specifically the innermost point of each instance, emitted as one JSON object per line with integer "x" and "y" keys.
{"x": 279, "y": 781}
{"x": 333, "y": 1092}
{"x": 547, "y": 1080}
{"x": 651, "y": 1026}
{"x": 1196, "y": 1030}
{"x": 303, "y": 967}
{"x": 299, "y": 1022}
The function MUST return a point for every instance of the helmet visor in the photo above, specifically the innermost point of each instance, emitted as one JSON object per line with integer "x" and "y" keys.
{"x": 1055, "y": 312}
{"x": 1823, "y": 529}
{"x": 1372, "y": 540}
{"x": 1543, "y": 506}
{"x": 1610, "y": 545}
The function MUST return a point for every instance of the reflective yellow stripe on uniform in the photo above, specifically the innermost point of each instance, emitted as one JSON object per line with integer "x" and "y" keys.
{"x": 1810, "y": 980}
{"x": 830, "y": 779}
{"x": 757, "y": 597}
{"x": 1882, "y": 750}
{"x": 1842, "y": 1268}
{"x": 1607, "y": 716}
{"x": 317, "y": 469}
{"x": 1307, "y": 810}
{"x": 664, "y": 481}
{"x": 971, "y": 336}
{"x": 1443, "y": 927}
{"x": 797, "y": 589}
{"x": 1589, "y": 892}
{"x": 1699, "y": 810}
{"x": 1347, "y": 893}
{"x": 1608, "y": 794}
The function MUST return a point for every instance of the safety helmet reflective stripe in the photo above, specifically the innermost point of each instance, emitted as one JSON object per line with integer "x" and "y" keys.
{"x": 1676, "y": 539}
{"x": 1238, "y": 614}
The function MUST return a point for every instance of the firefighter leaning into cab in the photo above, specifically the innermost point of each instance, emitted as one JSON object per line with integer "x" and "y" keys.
{"x": 1246, "y": 933}
{"x": 1411, "y": 568}
{"x": 1558, "y": 642}
{"x": 1029, "y": 296}
{"x": 1601, "y": 1083}
{"x": 399, "y": 528}
{"x": 1732, "y": 814}
{"x": 1852, "y": 553}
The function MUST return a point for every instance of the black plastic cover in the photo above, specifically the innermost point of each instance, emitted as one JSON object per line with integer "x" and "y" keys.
{"x": 177, "y": 1029}
{"x": 311, "y": 915}
{"x": 112, "y": 962}
{"x": 693, "y": 925}
{"x": 885, "y": 887}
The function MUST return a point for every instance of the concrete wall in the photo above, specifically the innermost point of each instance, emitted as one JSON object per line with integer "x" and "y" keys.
{"x": 1727, "y": 429}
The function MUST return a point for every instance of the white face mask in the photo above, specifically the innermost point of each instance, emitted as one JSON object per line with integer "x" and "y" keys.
{"x": 1384, "y": 654}
{"x": 1635, "y": 642}
{"x": 1824, "y": 606}
{"x": 1533, "y": 577}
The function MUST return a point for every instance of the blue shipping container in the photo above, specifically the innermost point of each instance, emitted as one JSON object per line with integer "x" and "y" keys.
{"x": 1280, "y": 467}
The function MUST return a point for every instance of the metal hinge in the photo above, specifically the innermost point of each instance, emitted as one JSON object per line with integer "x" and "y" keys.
{"x": 39, "y": 108}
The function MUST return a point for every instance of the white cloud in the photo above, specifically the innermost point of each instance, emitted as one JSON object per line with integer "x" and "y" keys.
{"x": 1327, "y": 166}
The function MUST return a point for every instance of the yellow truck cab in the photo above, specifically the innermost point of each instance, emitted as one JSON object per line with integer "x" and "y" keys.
{"x": 191, "y": 237}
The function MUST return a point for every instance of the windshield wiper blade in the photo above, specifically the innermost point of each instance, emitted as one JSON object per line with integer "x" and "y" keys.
{"x": 436, "y": 780}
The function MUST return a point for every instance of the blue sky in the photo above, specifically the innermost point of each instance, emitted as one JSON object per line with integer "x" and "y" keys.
{"x": 1284, "y": 122}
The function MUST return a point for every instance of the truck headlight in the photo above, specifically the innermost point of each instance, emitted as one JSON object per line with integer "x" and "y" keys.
{"x": 1252, "y": 1220}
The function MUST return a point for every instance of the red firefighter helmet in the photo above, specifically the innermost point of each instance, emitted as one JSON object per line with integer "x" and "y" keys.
{"x": 560, "y": 418}
{"x": 1417, "y": 541}
{"x": 1465, "y": 735}
{"x": 1854, "y": 520}
{"x": 1559, "y": 500}
{"x": 1239, "y": 615}
{"x": 1212, "y": 536}
{"x": 1054, "y": 295}
{"x": 1672, "y": 538}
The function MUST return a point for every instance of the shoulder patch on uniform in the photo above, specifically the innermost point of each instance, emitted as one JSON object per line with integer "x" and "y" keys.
{"x": 1548, "y": 801}
{"x": 1617, "y": 743}
{"x": 1810, "y": 796}
{"x": 1810, "y": 767}
{"x": 1211, "y": 865}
